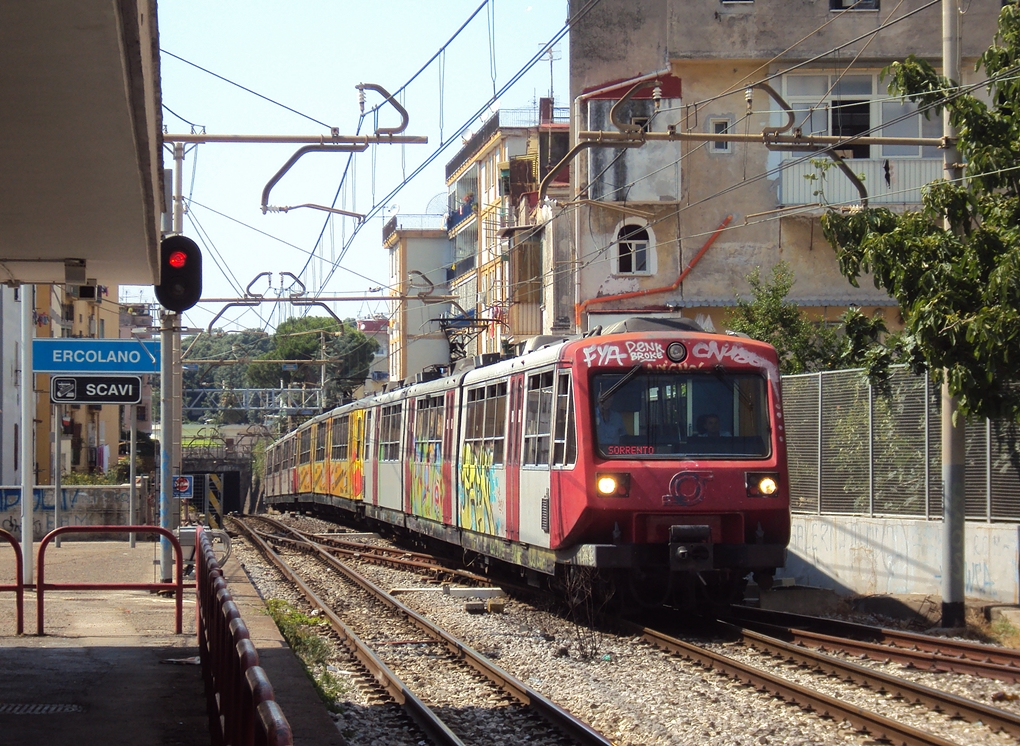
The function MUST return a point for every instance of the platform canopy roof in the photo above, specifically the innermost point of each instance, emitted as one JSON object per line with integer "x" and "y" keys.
{"x": 80, "y": 141}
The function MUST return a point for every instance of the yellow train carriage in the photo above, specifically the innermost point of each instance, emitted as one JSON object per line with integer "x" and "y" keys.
{"x": 304, "y": 460}
{"x": 320, "y": 466}
{"x": 346, "y": 453}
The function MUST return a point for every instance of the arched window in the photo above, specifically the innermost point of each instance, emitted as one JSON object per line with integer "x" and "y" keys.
{"x": 632, "y": 250}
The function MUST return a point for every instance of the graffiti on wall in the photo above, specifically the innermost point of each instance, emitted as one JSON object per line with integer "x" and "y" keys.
{"x": 427, "y": 488}
{"x": 85, "y": 505}
{"x": 481, "y": 501}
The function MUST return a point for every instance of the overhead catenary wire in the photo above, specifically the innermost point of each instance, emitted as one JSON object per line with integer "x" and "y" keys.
{"x": 574, "y": 20}
{"x": 346, "y": 242}
{"x": 488, "y": 104}
{"x": 243, "y": 88}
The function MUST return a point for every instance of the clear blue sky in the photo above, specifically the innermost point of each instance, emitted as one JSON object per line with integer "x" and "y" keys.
{"x": 309, "y": 56}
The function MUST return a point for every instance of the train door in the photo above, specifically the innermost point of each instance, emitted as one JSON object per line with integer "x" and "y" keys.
{"x": 564, "y": 482}
{"x": 450, "y": 441}
{"x": 370, "y": 457}
{"x": 388, "y": 454}
{"x": 355, "y": 452}
{"x": 481, "y": 488}
{"x": 428, "y": 491}
{"x": 536, "y": 452}
{"x": 320, "y": 485}
{"x": 304, "y": 462}
{"x": 337, "y": 443}
{"x": 515, "y": 421}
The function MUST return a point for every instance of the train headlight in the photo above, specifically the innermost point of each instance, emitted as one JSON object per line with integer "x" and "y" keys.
{"x": 676, "y": 352}
{"x": 762, "y": 484}
{"x": 612, "y": 485}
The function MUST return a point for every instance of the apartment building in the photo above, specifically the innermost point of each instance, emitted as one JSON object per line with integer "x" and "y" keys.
{"x": 676, "y": 227}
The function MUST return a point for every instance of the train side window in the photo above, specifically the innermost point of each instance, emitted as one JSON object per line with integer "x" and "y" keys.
{"x": 368, "y": 441}
{"x": 305, "y": 454}
{"x": 485, "y": 428}
{"x": 341, "y": 438}
{"x": 389, "y": 433}
{"x": 320, "y": 441}
{"x": 538, "y": 419}
{"x": 565, "y": 437}
{"x": 428, "y": 427}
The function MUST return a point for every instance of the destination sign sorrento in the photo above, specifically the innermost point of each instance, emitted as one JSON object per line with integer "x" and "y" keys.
{"x": 66, "y": 355}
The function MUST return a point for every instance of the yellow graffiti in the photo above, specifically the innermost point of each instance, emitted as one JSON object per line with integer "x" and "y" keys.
{"x": 356, "y": 478}
{"x": 479, "y": 509}
{"x": 304, "y": 478}
{"x": 427, "y": 481}
{"x": 319, "y": 477}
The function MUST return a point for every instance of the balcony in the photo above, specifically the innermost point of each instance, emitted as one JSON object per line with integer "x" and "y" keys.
{"x": 889, "y": 181}
{"x": 412, "y": 223}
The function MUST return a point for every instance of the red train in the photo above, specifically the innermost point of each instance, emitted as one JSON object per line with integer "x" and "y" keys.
{"x": 651, "y": 450}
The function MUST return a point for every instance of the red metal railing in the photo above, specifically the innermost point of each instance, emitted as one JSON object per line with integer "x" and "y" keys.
{"x": 178, "y": 587}
{"x": 19, "y": 585}
{"x": 242, "y": 707}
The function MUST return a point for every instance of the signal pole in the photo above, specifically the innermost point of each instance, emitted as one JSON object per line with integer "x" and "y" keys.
{"x": 169, "y": 425}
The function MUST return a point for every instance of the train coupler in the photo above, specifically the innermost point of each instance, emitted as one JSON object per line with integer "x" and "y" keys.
{"x": 690, "y": 548}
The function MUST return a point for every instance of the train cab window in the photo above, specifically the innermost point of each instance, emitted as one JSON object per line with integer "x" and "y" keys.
{"x": 428, "y": 428}
{"x": 565, "y": 437}
{"x": 485, "y": 422}
{"x": 538, "y": 419}
{"x": 320, "y": 441}
{"x": 305, "y": 453}
{"x": 340, "y": 439}
{"x": 646, "y": 414}
{"x": 389, "y": 433}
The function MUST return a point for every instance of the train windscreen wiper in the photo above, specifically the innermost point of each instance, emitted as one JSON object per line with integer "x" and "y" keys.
{"x": 616, "y": 386}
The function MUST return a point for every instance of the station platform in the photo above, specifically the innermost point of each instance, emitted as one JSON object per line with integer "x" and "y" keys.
{"x": 110, "y": 669}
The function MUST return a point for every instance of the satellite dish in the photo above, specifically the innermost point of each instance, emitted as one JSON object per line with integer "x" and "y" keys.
{"x": 438, "y": 204}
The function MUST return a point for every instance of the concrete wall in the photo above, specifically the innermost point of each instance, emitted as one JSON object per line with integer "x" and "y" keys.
{"x": 622, "y": 38}
{"x": 103, "y": 505}
{"x": 850, "y": 554}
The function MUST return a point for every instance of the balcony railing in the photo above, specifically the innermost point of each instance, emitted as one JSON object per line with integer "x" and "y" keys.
{"x": 413, "y": 223}
{"x": 889, "y": 181}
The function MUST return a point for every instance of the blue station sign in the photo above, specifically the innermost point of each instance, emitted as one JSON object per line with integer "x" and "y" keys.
{"x": 65, "y": 355}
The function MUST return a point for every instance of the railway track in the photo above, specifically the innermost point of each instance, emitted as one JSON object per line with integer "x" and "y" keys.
{"x": 440, "y": 682}
{"x": 878, "y": 726}
{"x": 923, "y": 652}
{"x": 380, "y": 554}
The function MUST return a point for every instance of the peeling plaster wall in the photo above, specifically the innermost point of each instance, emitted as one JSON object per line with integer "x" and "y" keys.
{"x": 709, "y": 29}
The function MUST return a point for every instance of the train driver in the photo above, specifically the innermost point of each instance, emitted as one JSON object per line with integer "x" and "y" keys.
{"x": 609, "y": 422}
{"x": 709, "y": 426}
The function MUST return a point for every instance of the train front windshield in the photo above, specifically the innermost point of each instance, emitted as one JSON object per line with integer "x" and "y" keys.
{"x": 681, "y": 414}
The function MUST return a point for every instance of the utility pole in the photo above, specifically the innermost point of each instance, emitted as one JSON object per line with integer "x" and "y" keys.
{"x": 27, "y": 444}
{"x": 953, "y": 443}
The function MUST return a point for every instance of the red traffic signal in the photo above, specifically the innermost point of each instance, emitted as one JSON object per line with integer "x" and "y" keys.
{"x": 180, "y": 273}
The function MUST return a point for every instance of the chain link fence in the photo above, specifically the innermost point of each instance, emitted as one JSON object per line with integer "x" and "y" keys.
{"x": 858, "y": 449}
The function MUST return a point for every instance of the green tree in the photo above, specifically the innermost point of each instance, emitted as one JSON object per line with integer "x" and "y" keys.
{"x": 310, "y": 338}
{"x": 201, "y": 372}
{"x": 958, "y": 289}
{"x": 803, "y": 345}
